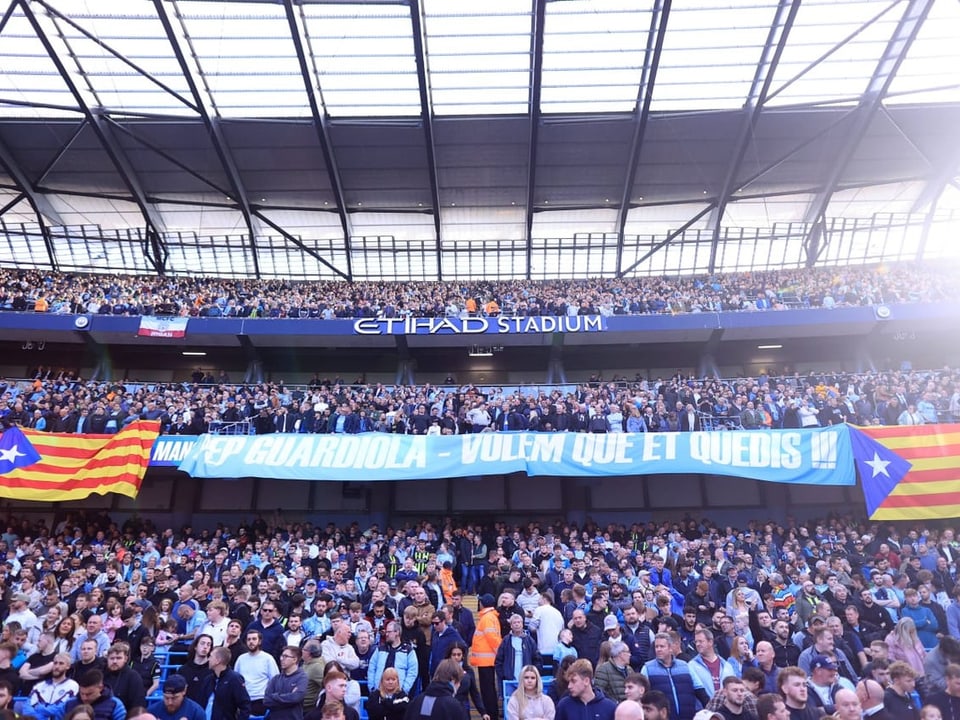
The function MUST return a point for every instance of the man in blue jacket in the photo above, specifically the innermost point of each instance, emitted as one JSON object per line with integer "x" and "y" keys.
{"x": 175, "y": 704}
{"x": 93, "y": 693}
{"x": 443, "y": 638}
{"x": 516, "y": 651}
{"x": 226, "y": 694}
{"x": 582, "y": 698}
{"x": 673, "y": 678}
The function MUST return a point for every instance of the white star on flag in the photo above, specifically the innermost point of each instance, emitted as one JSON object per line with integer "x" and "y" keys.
{"x": 11, "y": 454}
{"x": 879, "y": 466}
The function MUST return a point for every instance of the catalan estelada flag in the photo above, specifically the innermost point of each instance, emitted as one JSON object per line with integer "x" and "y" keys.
{"x": 72, "y": 467}
{"x": 931, "y": 488}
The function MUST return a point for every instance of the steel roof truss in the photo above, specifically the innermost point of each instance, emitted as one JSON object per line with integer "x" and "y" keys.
{"x": 893, "y": 55}
{"x": 321, "y": 127}
{"x": 648, "y": 79}
{"x": 766, "y": 69}
{"x": 154, "y": 250}
{"x": 426, "y": 117}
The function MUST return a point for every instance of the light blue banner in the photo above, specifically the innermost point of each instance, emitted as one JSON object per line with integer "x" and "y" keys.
{"x": 815, "y": 457}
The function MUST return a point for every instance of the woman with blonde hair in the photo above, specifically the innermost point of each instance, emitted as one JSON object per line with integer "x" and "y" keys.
{"x": 388, "y": 701}
{"x": 528, "y": 701}
{"x": 904, "y": 644}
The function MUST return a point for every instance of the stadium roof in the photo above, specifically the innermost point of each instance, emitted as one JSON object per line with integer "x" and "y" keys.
{"x": 416, "y": 139}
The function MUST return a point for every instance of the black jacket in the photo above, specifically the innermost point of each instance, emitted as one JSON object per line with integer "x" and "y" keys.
{"x": 230, "y": 698}
{"x": 436, "y": 701}
{"x": 127, "y": 686}
{"x": 391, "y": 707}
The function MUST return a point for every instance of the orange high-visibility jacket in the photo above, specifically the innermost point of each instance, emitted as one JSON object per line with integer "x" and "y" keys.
{"x": 486, "y": 640}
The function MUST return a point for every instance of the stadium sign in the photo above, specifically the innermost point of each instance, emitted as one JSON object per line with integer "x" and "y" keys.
{"x": 480, "y": 325}
{"x": 820, "y": 457}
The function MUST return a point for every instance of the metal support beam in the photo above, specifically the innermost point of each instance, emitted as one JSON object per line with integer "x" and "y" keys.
{"x": 938, "y": 181}
{"x": 299, "y": 243}
{"x": 119, "y": 56}
{"x": 38, "y": 203}
{"x": 60, "y": 153}
{"x": 17, "y": 199}
{"x": 927, "y": 227}
{"x": 321, "y": 127}
{"x": 648, "y": 79}
{"x": 536, "y": 86}
{"x": 783, "y": 21}
{"x": 7, "y": 14}
{"x": 154, "y": 249}
{"x": 668, "y": 239}
{"x": 893, "y": 55}
{"x": 214, "y": 132}
{"x": 426, "y": 117}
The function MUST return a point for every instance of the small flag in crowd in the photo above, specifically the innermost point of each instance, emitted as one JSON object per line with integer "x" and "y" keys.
{"x": 15, "y": 450}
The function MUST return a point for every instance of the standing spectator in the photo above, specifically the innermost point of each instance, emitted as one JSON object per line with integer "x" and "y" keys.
{"x": 286, "y": 690}
{"x": 226, "y": 691}
{"x": 438, "y": 699}
{"x": 256, "y": 668}
{"x": 674, "y": 679}
{"x": 516, "y": 651}
{"x": 483, "y": 653}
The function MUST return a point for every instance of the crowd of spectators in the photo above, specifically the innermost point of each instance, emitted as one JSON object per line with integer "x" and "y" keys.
{"x": 55, "y": 292}
{"x": 58, "y": 401}
{"x": 830, "y": 616}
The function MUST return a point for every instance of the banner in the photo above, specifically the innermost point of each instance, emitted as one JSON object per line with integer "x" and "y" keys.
{"x": 931, "y": 487}
{"x": 72, "y": 467}
{"x": 817, "y": 457}
{"x": 480, "y": 325}
{"x": 163, "y": 327}
{"x": 170, "y": 450}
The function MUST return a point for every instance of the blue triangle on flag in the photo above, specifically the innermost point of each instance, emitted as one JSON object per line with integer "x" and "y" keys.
{"x": 879, "y": 467}
{"x": 15, "y": 450}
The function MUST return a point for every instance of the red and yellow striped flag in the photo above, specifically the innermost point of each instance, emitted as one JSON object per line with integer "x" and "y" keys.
{"x": 931, "y": 489}
{"x": 72, "y": 467}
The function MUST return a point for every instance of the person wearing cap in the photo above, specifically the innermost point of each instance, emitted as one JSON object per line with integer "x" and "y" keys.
{"x": 824, "y": 682}
{"x": 20, "y": 612}
{"x": 175, "y": 704}
{"x": 483, "y": 653}
{"x": 823, "y": 644}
